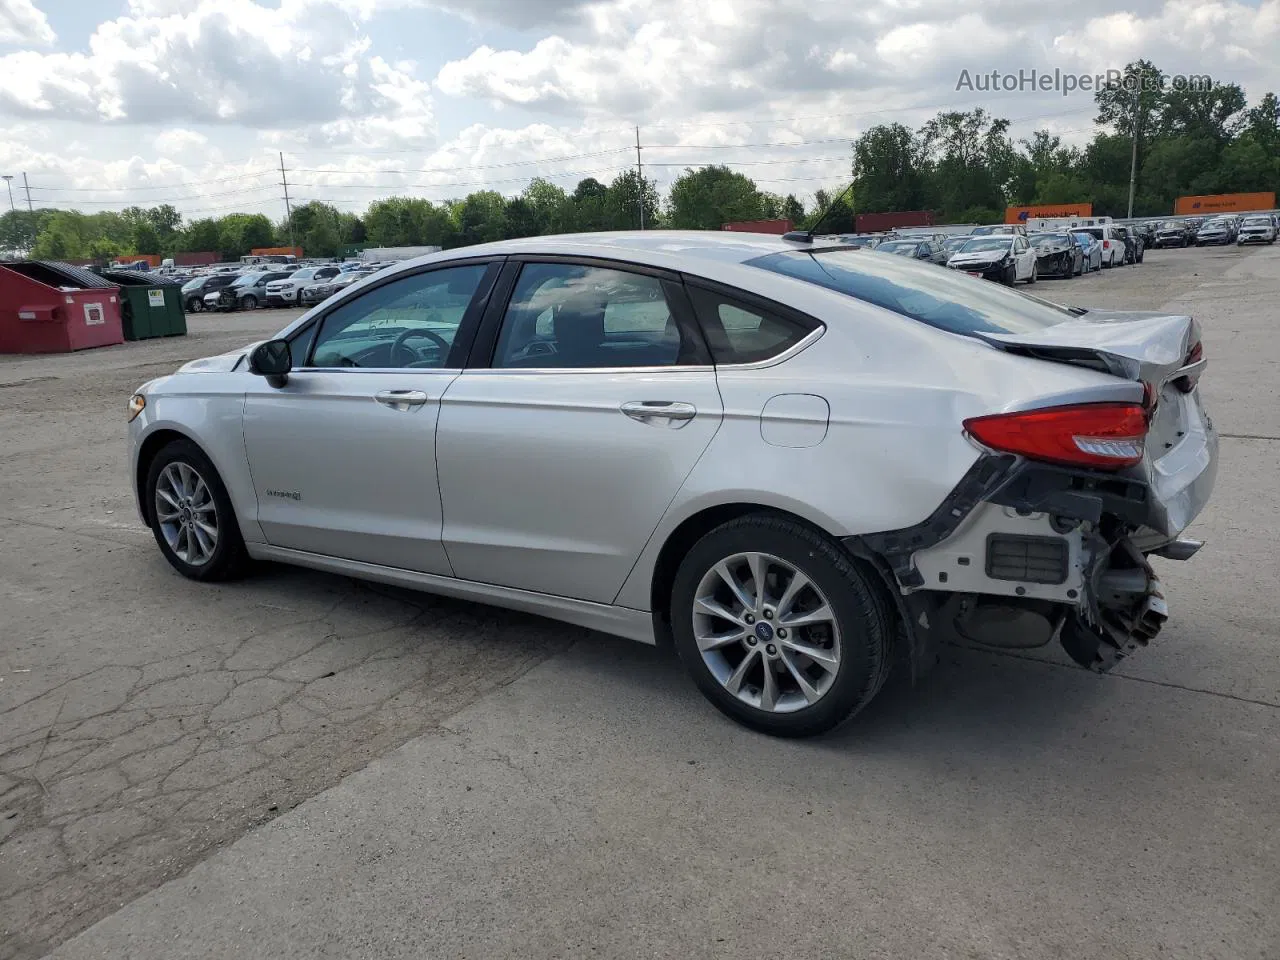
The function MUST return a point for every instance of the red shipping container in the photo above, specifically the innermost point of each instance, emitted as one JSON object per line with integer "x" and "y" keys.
{"x": 759, "y": 226}
{"x": 55, "y": 308}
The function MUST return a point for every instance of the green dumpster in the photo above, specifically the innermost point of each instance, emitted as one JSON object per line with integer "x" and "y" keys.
{"x": 150, "y": 306}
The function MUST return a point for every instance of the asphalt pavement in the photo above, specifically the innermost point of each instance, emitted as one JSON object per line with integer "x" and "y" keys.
{"x": 303, "y": 766}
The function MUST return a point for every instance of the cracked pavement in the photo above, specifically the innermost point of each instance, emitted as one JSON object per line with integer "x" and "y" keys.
{"x": 299, "y": 765}
{"x": 145, "y": 720}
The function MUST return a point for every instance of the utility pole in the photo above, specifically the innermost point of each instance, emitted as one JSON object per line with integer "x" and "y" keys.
{"x": 26, "y": 186}
{"x": 1133, "y": 156}
{"x": 288, "y": 212}
{"x": 13, "y": 215}
{"x": 8, "y": 182}
{"x": 640, "y": 174}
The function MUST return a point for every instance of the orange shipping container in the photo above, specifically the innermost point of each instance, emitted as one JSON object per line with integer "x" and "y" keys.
{"x": 1047, "y": 211}
{"x": 1224, "y": 203}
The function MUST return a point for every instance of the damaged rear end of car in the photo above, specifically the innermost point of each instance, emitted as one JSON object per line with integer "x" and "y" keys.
{"x": 1050, "y": 533}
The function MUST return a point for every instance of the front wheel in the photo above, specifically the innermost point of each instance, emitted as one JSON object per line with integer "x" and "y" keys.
{"x": 191, "y": 514}
{"x": 194, "y": 305}
{"x": 778, "y": 626}
{"x": 248, "y": 302}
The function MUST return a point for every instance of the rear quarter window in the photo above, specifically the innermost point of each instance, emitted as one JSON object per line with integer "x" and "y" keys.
{"x": 740, "y": 332}
{"x": 946, "y": 299}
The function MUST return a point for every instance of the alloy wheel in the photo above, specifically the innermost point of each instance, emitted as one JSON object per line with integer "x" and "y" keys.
{"x": 186, "y": 513}
{"x": 766, "y": 632}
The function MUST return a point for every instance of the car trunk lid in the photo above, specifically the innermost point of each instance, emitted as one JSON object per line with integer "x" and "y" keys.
{"x": 1154, "y": 349}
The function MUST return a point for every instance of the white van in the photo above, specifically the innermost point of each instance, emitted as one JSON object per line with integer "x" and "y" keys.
{"x": 1058, "y": 224}
{"x": 1113, "y": 248}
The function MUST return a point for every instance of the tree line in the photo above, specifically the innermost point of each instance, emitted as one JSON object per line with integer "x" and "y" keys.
{"x": 963, "y": 165}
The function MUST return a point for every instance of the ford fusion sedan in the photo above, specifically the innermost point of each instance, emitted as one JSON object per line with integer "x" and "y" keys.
{"x": 797, "y": 462}
{"x": 1001, "y": 257}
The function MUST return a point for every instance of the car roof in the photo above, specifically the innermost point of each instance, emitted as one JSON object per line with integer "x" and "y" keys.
{"x": 673, "y": 249}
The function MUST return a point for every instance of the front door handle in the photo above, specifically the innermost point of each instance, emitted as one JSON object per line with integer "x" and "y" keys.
{"x": 660, "y": 413}
{"x": 401, "y": 399}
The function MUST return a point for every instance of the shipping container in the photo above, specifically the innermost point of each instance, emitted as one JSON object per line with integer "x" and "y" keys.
{"x": 759, "y": 226}
{"x": 197, "y": 259}
{"x": 1047, "y": 211}
{"x": 1224, "y": 203}
{"x": 276, "y": 251}
{"x": 879, "y": 222}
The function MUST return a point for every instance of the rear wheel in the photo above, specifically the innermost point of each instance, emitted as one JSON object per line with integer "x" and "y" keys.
{"x": 248, "y": 302}
{"x": 1035, "y": 273}
{"x": 195, "y": 305}
{"x": 778, "y": 627}
{"x": 191, "y": 515}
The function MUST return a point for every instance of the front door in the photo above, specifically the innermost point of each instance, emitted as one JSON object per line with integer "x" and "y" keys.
{"x": 343, "y": 455}
{"x": 559, "y": 459}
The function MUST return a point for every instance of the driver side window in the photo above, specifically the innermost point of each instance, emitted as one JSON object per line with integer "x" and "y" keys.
{"x": 407, "y": 323}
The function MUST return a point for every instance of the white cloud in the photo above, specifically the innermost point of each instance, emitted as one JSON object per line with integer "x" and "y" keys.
{"x": 22, "y": 23}
{"x": 302, "y": 64}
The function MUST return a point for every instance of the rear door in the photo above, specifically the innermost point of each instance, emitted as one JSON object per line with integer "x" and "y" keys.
{"x": 589, "y": 400}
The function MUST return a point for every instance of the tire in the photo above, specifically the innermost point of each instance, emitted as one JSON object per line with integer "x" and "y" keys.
{"x": 195, "y": 305}
{"x": 248, "y": 302}
{"x": 1010, "y": 277}
{"x": 858, "y": 630}
{"x": 175, "y": 463}
{"x": 1034, "y": 274}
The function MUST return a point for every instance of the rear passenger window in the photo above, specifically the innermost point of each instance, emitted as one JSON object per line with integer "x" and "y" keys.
{"x": 744, "y": 333}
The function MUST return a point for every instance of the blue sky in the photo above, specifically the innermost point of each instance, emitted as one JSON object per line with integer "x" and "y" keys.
{"x": 192, "y": 101}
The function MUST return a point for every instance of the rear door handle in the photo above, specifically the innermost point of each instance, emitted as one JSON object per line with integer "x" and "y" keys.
{"x": 660, "y": 413}
{"x": 401, "y": 399}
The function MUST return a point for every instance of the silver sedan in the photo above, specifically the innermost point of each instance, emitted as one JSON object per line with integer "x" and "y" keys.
{"x": 798, "y": 462}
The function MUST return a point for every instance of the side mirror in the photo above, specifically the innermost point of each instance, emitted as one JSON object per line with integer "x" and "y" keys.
{"x": 272, "y": 360}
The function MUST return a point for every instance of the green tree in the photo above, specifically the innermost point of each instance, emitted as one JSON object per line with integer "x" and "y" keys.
{"x": 792, "y": 209}
{"x": 709, "y": 197}
{"x": 239, "y": 233}
{"x": 1215, "y": 114}
{"x": 587, "y": 207}
{"x": 549, "y": 205}
{"x": 145, "y": 238}
{"x": 972, "y": 160}
{"x": 481, "y": 218}
{"x": 62, "y": 238}
{"x": 1263, "y": 123}
{"x": 200, "y": 236}
{"x": 625, "y": 197}
{"x": 890, "y": 168}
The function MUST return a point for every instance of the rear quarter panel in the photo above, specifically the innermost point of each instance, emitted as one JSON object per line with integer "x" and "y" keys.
{"x": 898, "y": 392}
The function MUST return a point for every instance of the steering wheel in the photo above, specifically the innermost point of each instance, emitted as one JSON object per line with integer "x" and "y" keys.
{"x": 398, "y": 345}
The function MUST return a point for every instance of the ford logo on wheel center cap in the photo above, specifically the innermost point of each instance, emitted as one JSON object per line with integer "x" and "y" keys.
{"x": 764, "y": 631}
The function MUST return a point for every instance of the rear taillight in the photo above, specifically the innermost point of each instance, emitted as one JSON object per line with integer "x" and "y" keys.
{"x": 1195, "y": 355}
{"x": 1105, "y": 435}
{"x": 1106, "y": 244}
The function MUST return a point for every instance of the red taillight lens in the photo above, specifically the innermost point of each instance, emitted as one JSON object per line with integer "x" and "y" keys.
{"x": 1188, "y": 383}
{"x": 1105, "y": 435}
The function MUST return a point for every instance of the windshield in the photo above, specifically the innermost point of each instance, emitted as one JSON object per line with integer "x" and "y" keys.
{"x": 306, "y": 274}
{"x": 860, "y": 241}
{"x": 988, "y": 231}
{"x": 1257, "y": 222}
{"x": 247, "y": 280}
{"x": 1173, "y": 225}
{"x": 1047, "y": 239}
{"x": 987, "y": 243}
{"x": 1095, "y": 232}
{"x": 191, "y": 285}
{"x": 952, "y": 244}
{"x": 944, "y": 299}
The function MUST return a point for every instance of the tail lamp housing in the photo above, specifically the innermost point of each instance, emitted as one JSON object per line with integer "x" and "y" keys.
{"x": 1106, "y": 436}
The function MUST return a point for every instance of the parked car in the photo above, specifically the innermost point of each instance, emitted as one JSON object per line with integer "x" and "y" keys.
{"x": 465, "y": 459}
{"x": 248, "y": 292}
{"x": 286, "y": 290}
{"x": 1134, "y": 247}
{"x": 1214, "y": 231}
{"x": 1174, "y": 233}
{"x": 1090, "y": 251}
{"x": 1004, "y": 258}
{"x": 1259, "y": 228}
{"x": 319, "y": 292}
{"x": 866, "y": 241}
{"x": 1057, "y": 255}
{"x": 196, "y": 289}
{"x": 930, "y": 250}
{"x": 951, "y": 244}
{"x": 1113, "y": 248}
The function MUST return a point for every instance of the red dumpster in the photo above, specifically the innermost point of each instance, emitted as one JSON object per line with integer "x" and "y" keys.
{"x": 48, "y": 307}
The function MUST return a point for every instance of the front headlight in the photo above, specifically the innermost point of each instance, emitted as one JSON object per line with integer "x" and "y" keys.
{"x": 137, "y": 403}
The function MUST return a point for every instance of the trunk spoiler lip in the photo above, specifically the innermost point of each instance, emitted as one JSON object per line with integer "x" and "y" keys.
{"x": 1136, "y": 345}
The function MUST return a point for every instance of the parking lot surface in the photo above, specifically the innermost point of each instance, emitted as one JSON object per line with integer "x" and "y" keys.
{"x": 396, "y": 775}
